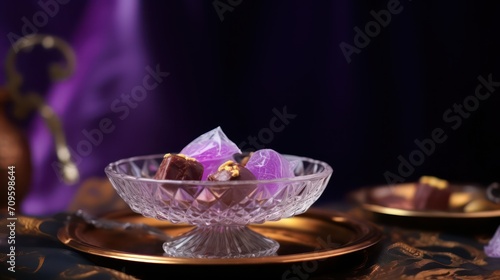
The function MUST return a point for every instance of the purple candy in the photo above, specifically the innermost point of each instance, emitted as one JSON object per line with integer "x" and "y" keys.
{"x": 211, "y": 149}
{"x": 268, "y": 164}
{"x": 493, "y": 248}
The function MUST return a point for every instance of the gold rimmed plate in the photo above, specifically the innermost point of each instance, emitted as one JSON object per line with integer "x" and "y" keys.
{"x": 468, "y": 207}
{"x": 318, "y": 239}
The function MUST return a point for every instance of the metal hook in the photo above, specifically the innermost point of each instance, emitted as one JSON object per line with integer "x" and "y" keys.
{"x": 24, "y": 103}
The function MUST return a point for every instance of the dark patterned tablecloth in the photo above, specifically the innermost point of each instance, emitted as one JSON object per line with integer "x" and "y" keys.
{"x": 403, "y": 253}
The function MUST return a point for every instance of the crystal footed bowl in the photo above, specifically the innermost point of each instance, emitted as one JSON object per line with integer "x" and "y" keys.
{"x": 219, "y": 211}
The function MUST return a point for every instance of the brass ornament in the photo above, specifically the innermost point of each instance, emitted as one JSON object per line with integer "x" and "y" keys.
{"x": 24, "y": 103}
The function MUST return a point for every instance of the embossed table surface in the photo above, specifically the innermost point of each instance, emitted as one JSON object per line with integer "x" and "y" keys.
{"x": 402, "y": 252}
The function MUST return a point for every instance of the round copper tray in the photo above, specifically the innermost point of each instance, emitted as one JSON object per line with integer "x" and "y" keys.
{"x": 314, "y": 235}
{"x": 372, "y": 200}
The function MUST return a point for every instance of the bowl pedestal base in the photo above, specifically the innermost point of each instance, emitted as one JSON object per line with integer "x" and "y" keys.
{"x": 220, "y": 241}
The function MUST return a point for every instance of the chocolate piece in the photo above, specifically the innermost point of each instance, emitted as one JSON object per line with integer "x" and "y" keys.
{"x": 179, "y": 167}
{"x": 231, "y": 171}
{"x": 242, "y": 158}
{"x": 432, "y": 194}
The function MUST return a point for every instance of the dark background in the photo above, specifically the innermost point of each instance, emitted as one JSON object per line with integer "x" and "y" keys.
{"x": 358, "y": 116}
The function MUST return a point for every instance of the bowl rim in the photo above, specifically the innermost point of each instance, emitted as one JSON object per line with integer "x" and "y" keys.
{"x": 111, "y": 172}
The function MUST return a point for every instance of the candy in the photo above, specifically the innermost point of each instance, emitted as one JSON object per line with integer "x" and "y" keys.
{"x": 267, "y": 164}
{"x": 242, "y": 158}
{"x": 179, "y": 167}
{"x": 231, "y": 171}
{"x": 211, "y": 149}
{"x": 217, "y": 156}
{"x": 493, "y": 248}
{"x": 432, "y": 194}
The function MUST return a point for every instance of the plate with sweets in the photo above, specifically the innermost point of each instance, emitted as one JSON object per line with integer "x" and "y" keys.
{"x": 432, "y": 202}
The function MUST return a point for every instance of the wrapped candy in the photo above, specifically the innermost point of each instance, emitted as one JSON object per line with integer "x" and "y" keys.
{"x": 211, "y": 149}
{"x": 267, "y": 164}
{"x": 493, "y": 248}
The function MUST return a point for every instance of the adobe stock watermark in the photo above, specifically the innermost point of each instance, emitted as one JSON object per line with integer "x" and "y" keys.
{"x": 48, "y": 10}
{"x": 122, "y": 106}
{"x": 372, "y": 29}
{"x": 221, "y": 7}
{"x": 305, "y": 269}
{"x": 453, "y": 117}
{"x": 266, "y": 135}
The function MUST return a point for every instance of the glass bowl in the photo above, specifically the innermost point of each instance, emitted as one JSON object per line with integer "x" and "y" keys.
{"x": 219, "y": 211}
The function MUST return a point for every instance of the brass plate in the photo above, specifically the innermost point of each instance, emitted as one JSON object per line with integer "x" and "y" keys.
{"x": 314, "y": 235}
{"x": 370, "y": 198}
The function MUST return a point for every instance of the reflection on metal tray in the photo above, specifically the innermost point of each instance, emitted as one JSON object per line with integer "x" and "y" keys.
{"x": 314, "y": 235}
